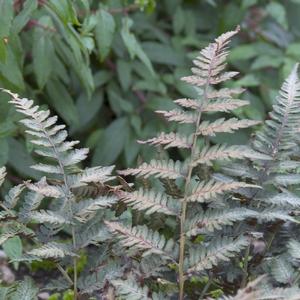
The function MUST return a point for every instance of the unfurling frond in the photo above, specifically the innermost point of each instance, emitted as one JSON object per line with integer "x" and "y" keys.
{"x": 212, "y": 219}
{"x": 204, "y": 258}
{"x": 2, "y": 175}
{"x": 141, "y": 238}
{"x": 224, "y": 126}
{"x": 52, "y": 250}
{"x": 280, "y": 132}
{"x": 225, "y": 152}
{"x": 168, "y": 140}
{"x": 158, "y": 168}
{"x": 206, "y": 191}
{"x": 129, "y": 289}
{"x": 178, "y": 116}
{"x": 151, "y": 201}
{"x": 85, "y": 210}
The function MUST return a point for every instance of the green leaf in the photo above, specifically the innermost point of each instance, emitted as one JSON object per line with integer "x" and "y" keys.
{"x": 111, "y": 142}
{"x": 178, "y": 20}
{"x": 164, "y": 54}
{"x": 23, "y": 17}
{"x": 133, "y": 46}
{"x": 3, "y": 152}
{"x": 104, "y": 33}
{"x": 62, "y": 102}
{"x": 277, "y": 11}
{"x": 7, "y": 14}
{"x": 10, "y": 70}
{"x": 2, "y": 50}
{"x": 13, "y": 249}
{"x": 42, "y": 53}
{"x": 20, "y": 160}
{"x": 124, "y": 74}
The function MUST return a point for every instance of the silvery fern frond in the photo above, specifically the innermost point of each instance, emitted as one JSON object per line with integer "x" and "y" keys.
{"x": 278, "y": 136}
{"x": 2, "y": 175}
{"x": 141, "y": 238}
{"x": 205, "y": 257}
{"x": 158, "y": 168}
{"x": 151, "y": 201}
{"x": 129, "y": 289}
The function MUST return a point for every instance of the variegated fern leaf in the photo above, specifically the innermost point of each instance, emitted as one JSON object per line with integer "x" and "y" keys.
{"x": 183, "y": 186}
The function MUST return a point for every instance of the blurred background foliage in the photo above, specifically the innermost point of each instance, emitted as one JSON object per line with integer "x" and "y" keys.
{"x": 104, "y": 67}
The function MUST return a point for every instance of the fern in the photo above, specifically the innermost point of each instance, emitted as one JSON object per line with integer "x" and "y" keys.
{"x": 65, "y": 210}
{"x": 189, "y": 182}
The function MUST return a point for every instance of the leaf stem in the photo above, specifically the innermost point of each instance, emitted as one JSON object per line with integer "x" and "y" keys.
{"x": 245, "y": 267}
{"x": 186, "y": 191}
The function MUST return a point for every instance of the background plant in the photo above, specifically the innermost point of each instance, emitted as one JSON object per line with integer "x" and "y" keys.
{"x": 51, "y": 51}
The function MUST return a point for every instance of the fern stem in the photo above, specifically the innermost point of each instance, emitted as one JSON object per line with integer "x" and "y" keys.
{"x": 74, "y": 264}
{"x": 245, "y": 267}
{"x": 64, "y": 273}
{"x": 186, "y": 189}
{"x": 206, "y": 287}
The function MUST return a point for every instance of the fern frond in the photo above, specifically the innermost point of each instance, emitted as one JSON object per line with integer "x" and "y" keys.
{"x": 11, "y": 199}
{"x": 51, "y": 138}
{"x": 178, "y": 116}
{"x": 91, "y": 175}
{"x": 43, "y": 188}
{"x": 129, "y": 289}
{"x": 282, "y": 270}
{"x": 269, "y": 215}
{"x": 225, "y": 152}
{"x": 48, "y": 216}
{"x": 158, "y": 168}
{"x": 25, "y": 290}
{"x": 86, "y": 209}
{"x": 13, "y": 229}
{"x": 2, "y": 175}
{"x": 279, "y": 133}
{"x": 224, "y": 93}
{"x": 52, "y": 250}
{"x": 211, "y": 62}
{"x": 141, "y": 238}
{"x": 221, "y": 105}
{"x": 224, "y": 126}
{"x": 168, "y": 140}
{"x": 294, "y": 249}
{"x": 283, "y": 199}
{"x": 32, "y": 201}
{"x": 204, "y": 258}
{"x": 287, "y": 179}
{"x": 151, "y": 201}
{"x": 212, "y": 219}
{"x": 207, "y": 190}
